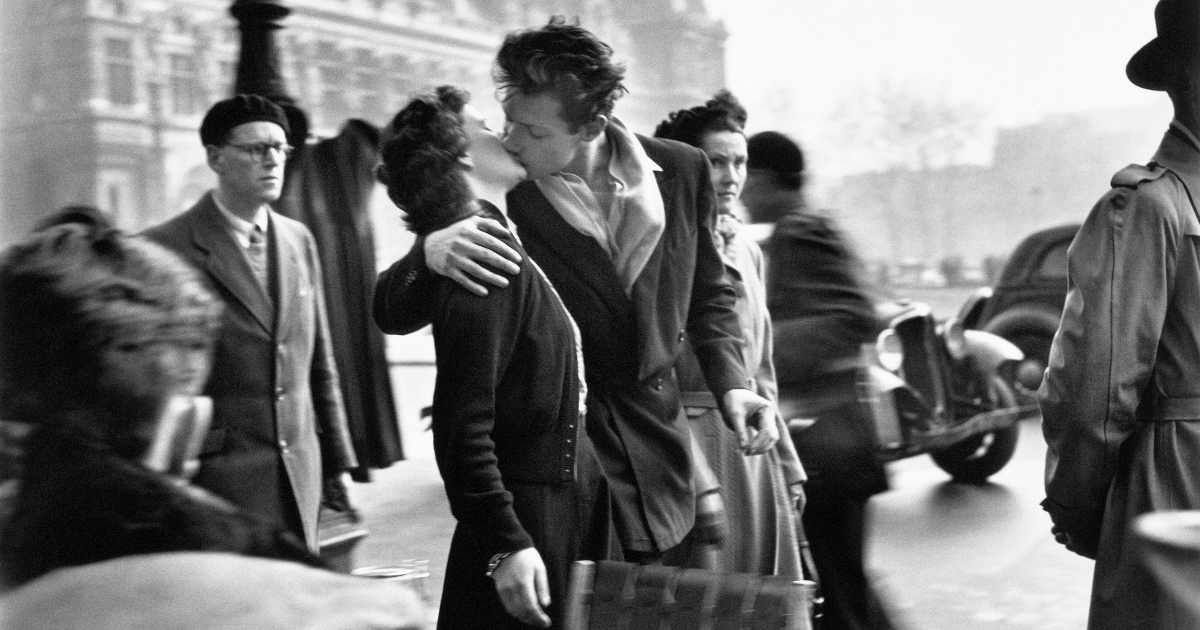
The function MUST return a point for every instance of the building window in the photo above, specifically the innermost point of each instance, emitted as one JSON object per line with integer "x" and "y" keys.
{"x": 331, "y": 75}
{"x": 401, "y": 82}
{"x": 367, "y": 86}
{"x": 185, "y": 85}
{"x": 114, "y": 200}
{"x": 228, "y": 79}
{"x": 118, "y": 61}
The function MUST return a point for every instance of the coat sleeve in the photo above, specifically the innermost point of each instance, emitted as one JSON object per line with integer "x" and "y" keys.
{"x": 403, "y": 293}
{"x": 474, "y": 339}
{"x": 712, "y": 321}
{"x": 820, "y": 311}
{"x": 337, "y": 450}
{"x": 1121, "y": 268}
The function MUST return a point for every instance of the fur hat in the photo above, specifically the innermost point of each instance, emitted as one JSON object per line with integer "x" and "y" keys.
{"x": 239, "y": 110}
{"x": 1155, "y": 65}
{"x": 80, "y": 286}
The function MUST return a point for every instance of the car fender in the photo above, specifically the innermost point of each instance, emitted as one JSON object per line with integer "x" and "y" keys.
{"x": 973, "y": 307}
{"x": 989, "y": 351}
{"x": 879, "y": 389}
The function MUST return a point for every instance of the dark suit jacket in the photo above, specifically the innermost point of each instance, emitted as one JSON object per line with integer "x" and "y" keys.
{"x": 630, "y": 344}
{"x": 278, "y": 418}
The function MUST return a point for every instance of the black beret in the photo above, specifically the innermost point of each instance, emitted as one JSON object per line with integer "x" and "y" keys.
{"x": 240, "y": 109}
{"x": 774, "y": 151}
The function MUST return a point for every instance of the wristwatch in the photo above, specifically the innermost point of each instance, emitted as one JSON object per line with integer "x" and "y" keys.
{"x": 494, "y": 563}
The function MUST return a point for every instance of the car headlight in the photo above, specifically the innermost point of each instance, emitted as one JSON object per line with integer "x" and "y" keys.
{"x": 956, "y": 338}
{"x": 889, "y": 350}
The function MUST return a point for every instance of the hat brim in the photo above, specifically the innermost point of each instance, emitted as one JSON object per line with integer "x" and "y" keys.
{"x": 1149, "y": 68}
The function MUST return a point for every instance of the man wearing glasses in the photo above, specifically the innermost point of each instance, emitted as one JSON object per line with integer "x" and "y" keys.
{"x": 279, "y": 433}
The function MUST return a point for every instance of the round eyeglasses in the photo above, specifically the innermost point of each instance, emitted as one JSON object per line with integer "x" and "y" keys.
{"x": 258, "y": 151}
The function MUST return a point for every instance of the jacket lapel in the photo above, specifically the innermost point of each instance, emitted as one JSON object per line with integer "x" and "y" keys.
{"x": 289, "y": 256}
{"x": 647, "y": 287}
{"x": 226, "y": 263}
{"x": 539, "y": 223}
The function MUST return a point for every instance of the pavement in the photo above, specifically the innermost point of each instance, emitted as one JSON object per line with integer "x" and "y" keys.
{"x": 945, "y": 556}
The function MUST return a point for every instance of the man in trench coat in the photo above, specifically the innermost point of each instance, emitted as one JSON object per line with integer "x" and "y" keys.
{"x": 279, "y": 432}
{"x": 1121, "y": 398}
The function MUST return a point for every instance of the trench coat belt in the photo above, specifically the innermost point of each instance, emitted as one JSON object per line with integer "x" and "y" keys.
{"x": 1176, "y": 409}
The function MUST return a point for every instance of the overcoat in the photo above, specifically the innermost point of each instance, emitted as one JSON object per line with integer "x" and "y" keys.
{"x": 630, "y": 342}
{"x": 754, "y": 489}
{"x": 821, "y": 317}
{"x": 1121, "y": 397}
{"x": 278, "y": 419}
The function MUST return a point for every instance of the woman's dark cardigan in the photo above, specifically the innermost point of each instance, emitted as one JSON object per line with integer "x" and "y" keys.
{"x": 506, "y": 402}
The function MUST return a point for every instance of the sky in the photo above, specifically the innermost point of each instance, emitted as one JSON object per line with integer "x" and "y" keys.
{"x": 795, "y": 62}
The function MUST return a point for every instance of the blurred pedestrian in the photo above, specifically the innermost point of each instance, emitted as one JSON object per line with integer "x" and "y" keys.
{"x": 279, "y": 439}
{"x": 620, "y": 224}
{"x": 1121, "y": 398}
{"x": 104, "y": 340}
{"x": 821, "y": 316}
{"x": 759, "y": 493}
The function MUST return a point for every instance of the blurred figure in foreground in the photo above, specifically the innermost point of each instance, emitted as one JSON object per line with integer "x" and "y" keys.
{"x": 520, "y": 471}
{"x": 217, "y": 591}
{"x": 104, "y": 341}
{"x": 1121, "y": 397}
{"x": 821, "y": 317}
{"x": 760, "y": 494}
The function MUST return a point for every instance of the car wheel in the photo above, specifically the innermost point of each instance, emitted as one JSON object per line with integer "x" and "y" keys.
{"x": 980, "y": 456}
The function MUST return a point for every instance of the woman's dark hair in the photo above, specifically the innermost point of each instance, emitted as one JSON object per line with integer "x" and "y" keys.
{"x": 567, "y": 61}
{"x": 421, "y": 164}
{"x": 722, "y": 113}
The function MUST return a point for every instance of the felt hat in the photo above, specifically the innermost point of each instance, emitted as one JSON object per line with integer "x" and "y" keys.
{"x": 1177, "y": 23}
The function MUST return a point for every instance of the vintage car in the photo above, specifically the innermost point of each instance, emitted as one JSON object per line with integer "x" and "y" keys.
{"x": 1026, "y": 304}
{"x": 935, "y": 387}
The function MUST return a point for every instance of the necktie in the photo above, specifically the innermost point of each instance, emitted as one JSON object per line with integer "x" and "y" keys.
{"x": 256, "y": 253}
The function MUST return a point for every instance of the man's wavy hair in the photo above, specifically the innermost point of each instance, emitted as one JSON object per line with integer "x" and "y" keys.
{"x": 76, "y": 288}
{"x": 565, "y": 60}
{"x": 721, "y": 113}
{"x": 421, "y": 164}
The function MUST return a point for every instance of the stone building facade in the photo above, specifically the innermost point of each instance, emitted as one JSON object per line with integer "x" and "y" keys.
{"x": 101, "y": 99}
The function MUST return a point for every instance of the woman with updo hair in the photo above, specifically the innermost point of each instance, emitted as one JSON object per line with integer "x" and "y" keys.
{"x": 760, "y": 494}
{"x": 508, "y": 406}
{"x": 105, "y": 340}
